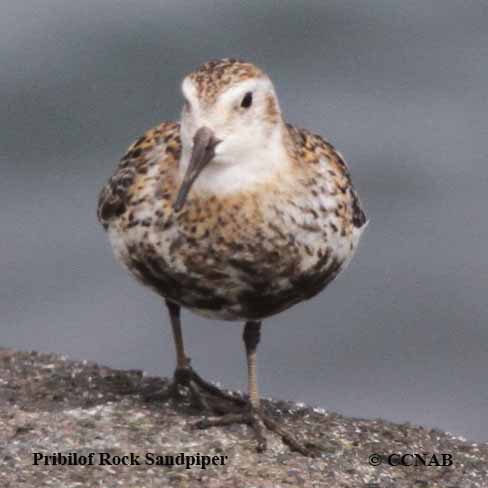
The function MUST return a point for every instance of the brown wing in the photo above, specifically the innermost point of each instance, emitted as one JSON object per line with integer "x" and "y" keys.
{"x": 312, "y": 148}
{"x": 115, "y": 195}
{"x": 112, "y": 200}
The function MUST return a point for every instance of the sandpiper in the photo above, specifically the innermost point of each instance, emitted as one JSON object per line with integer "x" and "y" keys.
{"x": 235, "y": 215}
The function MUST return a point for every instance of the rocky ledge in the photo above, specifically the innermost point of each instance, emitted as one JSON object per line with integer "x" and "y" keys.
{"x": 77, "y": 424}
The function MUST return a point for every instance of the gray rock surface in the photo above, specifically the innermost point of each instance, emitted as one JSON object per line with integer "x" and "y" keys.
{"x": 69, "y": 409}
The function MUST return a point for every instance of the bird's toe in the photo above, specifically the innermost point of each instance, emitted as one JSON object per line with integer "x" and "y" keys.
{"x": 188, "y": 385}
{"x": 259, "y": 422}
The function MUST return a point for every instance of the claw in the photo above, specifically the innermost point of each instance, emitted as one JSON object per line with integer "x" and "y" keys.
{"x": 259, "y": 422}
{"x": 203, "y": 395}
{"x": 228, "y": 409}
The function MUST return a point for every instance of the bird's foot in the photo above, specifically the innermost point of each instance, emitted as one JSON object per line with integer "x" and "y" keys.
{"x": 259, "y": 421}
{"x": 187, "y": 383}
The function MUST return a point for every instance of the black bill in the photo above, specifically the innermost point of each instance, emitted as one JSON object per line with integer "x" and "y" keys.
{"x": 204, "y": 143}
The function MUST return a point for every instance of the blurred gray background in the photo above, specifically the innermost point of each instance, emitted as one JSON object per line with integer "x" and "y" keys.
{"x": 399, "y": 87}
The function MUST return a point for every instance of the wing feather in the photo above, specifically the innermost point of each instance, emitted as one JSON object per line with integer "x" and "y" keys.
{"x": 115, "y": 196}
{"x": 313, "y": 148}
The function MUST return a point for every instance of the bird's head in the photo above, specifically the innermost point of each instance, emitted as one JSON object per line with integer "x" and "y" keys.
{"x": 231, "y": 127}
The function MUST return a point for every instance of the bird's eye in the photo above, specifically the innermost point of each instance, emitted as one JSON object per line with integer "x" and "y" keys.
{"x": 247, "y": 100}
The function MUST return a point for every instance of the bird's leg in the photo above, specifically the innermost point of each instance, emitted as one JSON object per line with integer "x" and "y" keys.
{"x": 185, "y": 376}
{"x": 251, "y": 336}
{"x": 253, "y": 414}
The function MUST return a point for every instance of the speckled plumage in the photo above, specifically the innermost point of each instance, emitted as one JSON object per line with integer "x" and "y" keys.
{"x": 235, "y": 215}
{"x": 243, "y": 255}
{"x": 215, "y": 76}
